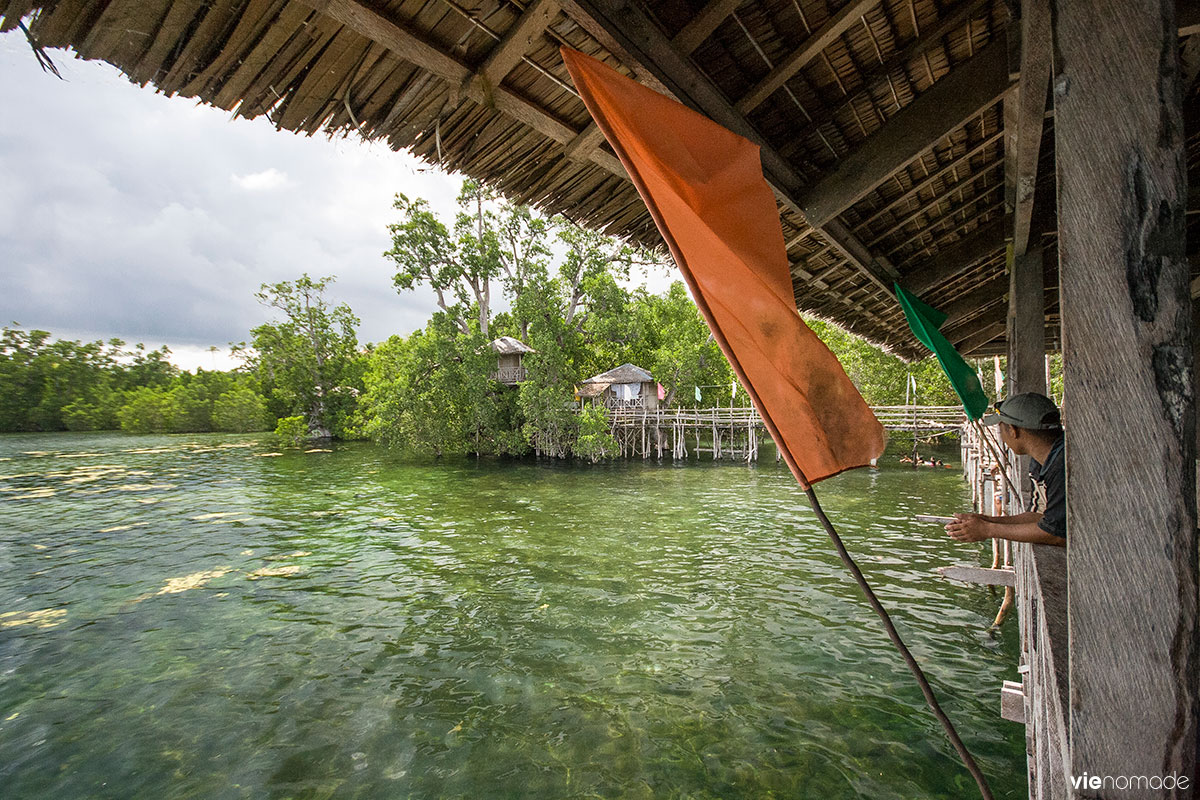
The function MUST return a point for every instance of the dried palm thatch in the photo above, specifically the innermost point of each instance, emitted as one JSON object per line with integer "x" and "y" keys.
{"x": 884, "y": 124}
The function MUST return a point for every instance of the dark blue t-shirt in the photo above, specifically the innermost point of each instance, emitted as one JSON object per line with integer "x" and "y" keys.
{"x": 1050, "y": 490}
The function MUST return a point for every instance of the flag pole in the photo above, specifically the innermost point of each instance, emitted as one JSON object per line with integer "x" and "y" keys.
{"x": 927, "y": 690}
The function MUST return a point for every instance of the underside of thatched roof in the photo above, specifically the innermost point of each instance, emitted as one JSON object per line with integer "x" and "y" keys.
{"x": 893, "y": 131}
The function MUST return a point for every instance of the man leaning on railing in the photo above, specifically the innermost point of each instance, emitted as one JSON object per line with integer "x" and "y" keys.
{"x": 1030, "y": 424}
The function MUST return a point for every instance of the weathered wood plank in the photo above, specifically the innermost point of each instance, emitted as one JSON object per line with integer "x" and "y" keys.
{"x": 582, "y": 145}
{"x": 12, "y": 12}
{"x": 1012, "y": 701}
{"x": 968, "y": 343}
{"x": 291, "y": 22}
{"x": 960, "y": 95}
{"x": 982, "y": 576}
{"x": 1127, "y": 353}
{"x": 820, "y": 39}
{"x": 166, "y": 39}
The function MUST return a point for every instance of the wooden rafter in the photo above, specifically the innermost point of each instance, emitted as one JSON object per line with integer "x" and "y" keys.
{"x": 512, "y": 48}
{"x": 975, "y": 301}
{"x": 688, "y": 39}
{"x": 957, "y": 258}
{"x": 957, "y": 97}
{"x": 645, "y": 42}
{"x": 367, "y": 22}
{"x": 702, "y": 25}
{"x": 820, "y": 39}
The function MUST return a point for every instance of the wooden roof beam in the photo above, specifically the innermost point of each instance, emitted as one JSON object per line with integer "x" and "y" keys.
{"x": 365, "y": 21}
{"x": 966, "y": 335}
{"x": 1187, "y": 17}
{"x": 981, "y": 338}
{"x": 688, "y": 39}
{"x": 820, "y": 39}
{"x": 957, "y": 258}
{"x": 1029, "y": 100}
{"x": 701, "y": 26}
{"x": 517, "y": 41}
{"x": 971, "y": 303}
{"x": 960, "y": 95}
{"x": 641, "y": 39}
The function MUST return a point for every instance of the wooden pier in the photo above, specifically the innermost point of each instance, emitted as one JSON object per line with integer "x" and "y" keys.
{"x": 738, "y": 433}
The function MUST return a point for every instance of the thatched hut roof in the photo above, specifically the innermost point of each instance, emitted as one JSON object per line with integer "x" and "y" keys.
{"x": 883, "y": 123}
{"x": 626, "y": 373}
{"x": 507, "y": 346}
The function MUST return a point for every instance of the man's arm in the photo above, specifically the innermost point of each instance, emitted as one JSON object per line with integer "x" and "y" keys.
{"x": 1017, "y": 528}
{"x": 1015, "y": 519}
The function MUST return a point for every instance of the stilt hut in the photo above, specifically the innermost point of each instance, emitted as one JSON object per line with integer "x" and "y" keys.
{"x": 624, "y": 387}
{"x": 1022, "y": 165}
{"x": 510, "y": 354}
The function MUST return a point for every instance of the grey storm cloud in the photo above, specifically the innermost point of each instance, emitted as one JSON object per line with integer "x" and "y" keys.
{"x": 126, "y": 213}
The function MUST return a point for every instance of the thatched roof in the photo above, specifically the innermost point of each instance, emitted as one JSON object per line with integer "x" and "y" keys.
{"x": 626, "y": 373}
{"x": 883, "y": 124}
{"x": 507, "y": 346}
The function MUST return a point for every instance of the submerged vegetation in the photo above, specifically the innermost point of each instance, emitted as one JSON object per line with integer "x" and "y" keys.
{"x": 560, "y": 289}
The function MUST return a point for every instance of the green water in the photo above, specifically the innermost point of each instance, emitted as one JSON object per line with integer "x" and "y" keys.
{"x": 185, "y": 617}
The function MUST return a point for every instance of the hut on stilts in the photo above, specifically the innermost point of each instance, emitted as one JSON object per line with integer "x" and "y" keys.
{"x": 1023, "y": 165}
{"x": 510, "y": 354}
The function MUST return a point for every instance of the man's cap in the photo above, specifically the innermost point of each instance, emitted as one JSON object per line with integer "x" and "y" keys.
{"x": 1029, "y": 410}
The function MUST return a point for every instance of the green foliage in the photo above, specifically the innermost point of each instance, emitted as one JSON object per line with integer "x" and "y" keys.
{"x": 308, "y": 362}
{"x": 239, "y": 411}
{"x": 149, "y": 410}
{"x": 681, "y": 352}
{"x": 291, "y": 432}
{"x": 459, "y": 264}
{"x": 68, "y": 385}
{"x": 434, "y": 393}
{"x": 41, "y": 377}
{"x": 595, "y": 442}
{"x": 880, "y": 377}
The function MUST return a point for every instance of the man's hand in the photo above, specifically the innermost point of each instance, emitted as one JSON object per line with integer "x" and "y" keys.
{"x": 969, "y": 528}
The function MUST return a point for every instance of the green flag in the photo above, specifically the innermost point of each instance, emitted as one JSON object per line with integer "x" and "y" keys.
{"x": 925, "y": 321}
{"x": 697, "y": 394}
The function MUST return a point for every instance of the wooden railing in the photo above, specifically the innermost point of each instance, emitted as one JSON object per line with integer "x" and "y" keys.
{"x": 1042, "y": 615}
{"x": 510, "y": 375}
{"x": 923, "y": 419}
{"x": 1039, "y": 699}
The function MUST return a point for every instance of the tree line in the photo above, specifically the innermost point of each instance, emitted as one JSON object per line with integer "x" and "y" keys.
{"x": 563, "y": 290}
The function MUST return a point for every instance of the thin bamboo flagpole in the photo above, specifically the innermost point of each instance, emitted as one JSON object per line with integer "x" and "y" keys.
{"x": 927, "y": 690}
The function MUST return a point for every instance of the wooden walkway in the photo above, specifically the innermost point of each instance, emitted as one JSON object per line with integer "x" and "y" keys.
{"x": 736, "y": 433}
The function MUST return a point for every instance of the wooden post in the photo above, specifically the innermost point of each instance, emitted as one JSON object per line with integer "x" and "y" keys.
{"x": 1026, "y": 338}
{"x": 1027, "y": 324}
{"x": 1128, "y": 407}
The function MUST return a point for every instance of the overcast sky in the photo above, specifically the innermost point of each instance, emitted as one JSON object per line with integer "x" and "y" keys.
{"x": 126, "y": 213}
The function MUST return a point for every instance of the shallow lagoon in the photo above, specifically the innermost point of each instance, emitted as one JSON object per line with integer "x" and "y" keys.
{"x": 184, "y": 616}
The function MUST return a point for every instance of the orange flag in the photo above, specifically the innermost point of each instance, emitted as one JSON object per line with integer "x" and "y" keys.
{"x": 705, "y": 189}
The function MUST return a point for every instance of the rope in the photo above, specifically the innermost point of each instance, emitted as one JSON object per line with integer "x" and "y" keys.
{"x": 968, "y": 761}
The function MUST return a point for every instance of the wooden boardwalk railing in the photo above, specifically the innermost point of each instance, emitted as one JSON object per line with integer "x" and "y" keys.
{"x": 737, "y": 432}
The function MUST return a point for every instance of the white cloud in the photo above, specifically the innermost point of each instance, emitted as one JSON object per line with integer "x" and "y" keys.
{"x": 266, "y": 180}
{"x": 126, "y": 213}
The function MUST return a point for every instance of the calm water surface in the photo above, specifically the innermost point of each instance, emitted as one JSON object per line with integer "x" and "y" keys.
{"x": 185, "y": 617}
